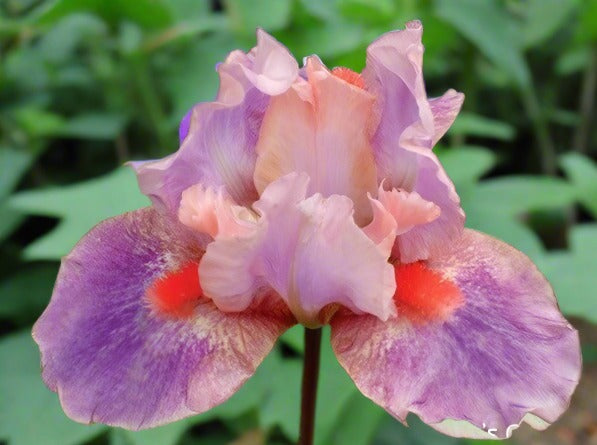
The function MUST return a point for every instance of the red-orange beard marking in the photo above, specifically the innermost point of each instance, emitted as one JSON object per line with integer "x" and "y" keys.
{"x": 176, "y": 294}
{"x": 423, "y": 294}
{"x": 349, "y": 76}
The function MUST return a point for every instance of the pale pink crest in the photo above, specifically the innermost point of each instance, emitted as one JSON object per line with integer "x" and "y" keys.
{"x": 309, "y": 250}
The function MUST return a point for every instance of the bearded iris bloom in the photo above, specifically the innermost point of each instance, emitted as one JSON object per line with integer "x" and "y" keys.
{"x": 312, "y": 196}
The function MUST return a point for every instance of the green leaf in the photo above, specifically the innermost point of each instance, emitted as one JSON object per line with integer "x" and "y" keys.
{"x": 93, "y": 126}
{"x": 323, "y": 9}
{"x": 582, "y": 173}
{"x": 371, "y": 11}
{"x": 39, "y": 123}
{"x": 466, "y": 165}
{"x": 335, "y": 391}
{"x": 193, "y": 78}
{"x": 150, "y": 14}
{"x": 29, "y": 412}
{"x": 294, "y": 337}
{"x": 514, "y": 195}
{"x": 544, "y": 18}
{"x": 24, "y": 295}
{"x": 13, "y": 163}
{"x": 9, "y": 220}
{"x": 80, "y": 207}
{"x": 471, "y": 124}
{"x": 246, "y": 16}
{"x": 328, "y": 40}
{"x": 62, "y": 40}
{"x": 496, "y": 207}
{"x": 164, "y": 435}
{"x": 587, "y": 29}
{"x": 358, "y": 422}
{"x": 417, "y": 433}
{"x": 572, "y": 275}
{"x": 487, "y": 25}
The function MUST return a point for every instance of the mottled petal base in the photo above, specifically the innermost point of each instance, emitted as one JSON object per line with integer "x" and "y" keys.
{"x": 114, "y": 357}
{"x": 504, "y": 355}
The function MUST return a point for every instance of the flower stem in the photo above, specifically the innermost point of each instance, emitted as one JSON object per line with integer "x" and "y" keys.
{"x": 309, "y": 389}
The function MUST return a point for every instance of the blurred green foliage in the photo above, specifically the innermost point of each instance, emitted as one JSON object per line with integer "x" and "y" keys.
{"x": 88, "y": 84}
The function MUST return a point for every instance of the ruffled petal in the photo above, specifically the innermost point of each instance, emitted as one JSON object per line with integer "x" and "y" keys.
{"x": 310, "y": 251}
{"x": 321, "y": 127}
{"x": 273, "y": 68}
{"x": 445, "y": 109}
{"x": 502, "y": 355}
{"x": 115, "y": 358}
{"x": 407, "y": 208}
{"x": 433, "y": 185}
{"x": 405, "y": 134}
{"x": 212, "y": 212}
{"x": 218, "y": 138}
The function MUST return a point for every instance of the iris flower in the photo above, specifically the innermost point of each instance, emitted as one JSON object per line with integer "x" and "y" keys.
{"x": 312, "y": 196}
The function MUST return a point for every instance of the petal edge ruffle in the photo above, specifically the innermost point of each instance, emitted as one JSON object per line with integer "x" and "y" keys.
{"x": 506, "y": 355}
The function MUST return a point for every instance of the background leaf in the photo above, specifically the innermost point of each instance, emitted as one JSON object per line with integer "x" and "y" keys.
{"x": 111, "y": 195}
{"x": 29, "y": 412}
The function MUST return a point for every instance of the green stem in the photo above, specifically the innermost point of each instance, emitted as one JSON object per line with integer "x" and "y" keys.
{"x": 309, "y": 386}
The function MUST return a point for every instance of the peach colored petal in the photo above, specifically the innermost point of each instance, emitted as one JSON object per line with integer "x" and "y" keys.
{"x": 321, "y": 127}
{"x": 407, "y": 208}
{"x": 310, "y": 251}
{"x": 213, "y": 212}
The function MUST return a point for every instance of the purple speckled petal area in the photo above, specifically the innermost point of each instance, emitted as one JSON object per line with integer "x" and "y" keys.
{"x": 505, "y": 355}
{"x": 409, "y": 126}
{"x": 115, "y": 359}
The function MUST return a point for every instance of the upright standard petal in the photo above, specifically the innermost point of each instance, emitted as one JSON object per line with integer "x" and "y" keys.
{"x": 310, "y": 251}
{"x": 321, "y": 127}
{"x": 218, "y": 138}
{"x": 405, "y": 134}
{"x": 129, "y": 340}
{"x": 479, "y": 344}
{"x": 445, "y": 109}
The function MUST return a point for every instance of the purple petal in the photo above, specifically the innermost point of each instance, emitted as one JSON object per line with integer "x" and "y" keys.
{"x": 434, "y": 185}
{"x": 114, "y": 358}
{"x": 183, "y": 129}
{"x": 445, "y": 109}
{"x": 218, "y": 138}
{"x": 504, "y": 355}
{"x": 405, "y": 134}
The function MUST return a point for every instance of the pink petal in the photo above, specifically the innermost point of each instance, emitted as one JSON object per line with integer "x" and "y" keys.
{"x": 502, "y": 355}
{"x": 310, "y": 251}
{"x": 407, "y": 208}
{"x": 273, "y": 67}
{"x": 218, "y": 138}
{"x": 212, "y": 212}
{"x": 322, "y": 128}
{"x": 115, "y": 358}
